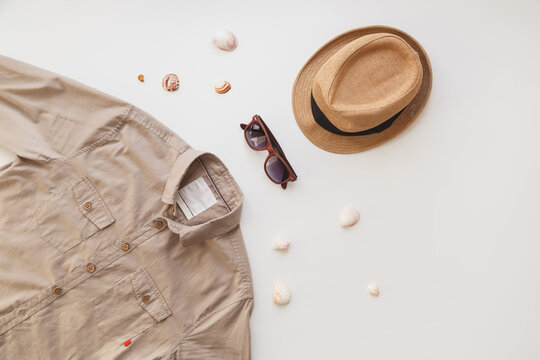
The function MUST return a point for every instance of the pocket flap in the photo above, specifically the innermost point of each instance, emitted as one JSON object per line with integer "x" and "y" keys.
{"x": 91, "y": 204}
{"x": 148, "y": 295}
{"x": 130, "y": 307}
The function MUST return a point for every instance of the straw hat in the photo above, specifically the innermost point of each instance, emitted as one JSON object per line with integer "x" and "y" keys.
{"x": 361, "y": 89}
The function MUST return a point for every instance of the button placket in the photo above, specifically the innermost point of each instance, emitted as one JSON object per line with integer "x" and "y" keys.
{"x": 78, "y": 275}
{"x": 150, "y": 229}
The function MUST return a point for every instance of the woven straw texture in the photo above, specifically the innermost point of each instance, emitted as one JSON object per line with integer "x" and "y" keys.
{"x": 301, "y": 96}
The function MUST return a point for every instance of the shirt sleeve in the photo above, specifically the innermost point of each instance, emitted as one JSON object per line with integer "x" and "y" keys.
{"x": 224, "y": 334}
{"x": 44, "y": 115}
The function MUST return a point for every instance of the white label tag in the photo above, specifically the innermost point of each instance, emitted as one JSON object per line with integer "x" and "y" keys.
{"x": 195, "y": 197}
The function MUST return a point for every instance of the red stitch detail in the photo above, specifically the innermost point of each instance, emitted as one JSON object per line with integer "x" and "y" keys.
{"x": 127, "y": 342}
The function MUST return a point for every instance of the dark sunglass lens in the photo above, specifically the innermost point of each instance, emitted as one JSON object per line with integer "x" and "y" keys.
{"x": 256, "y": 137}
{"x": 276, "y": 169}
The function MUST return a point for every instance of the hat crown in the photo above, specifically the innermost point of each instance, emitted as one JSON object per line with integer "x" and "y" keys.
{"x": 367, "y": 81}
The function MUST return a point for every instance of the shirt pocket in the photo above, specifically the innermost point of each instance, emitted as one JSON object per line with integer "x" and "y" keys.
{"x": 130, "y": 307}
{"x": 73, "y": 215}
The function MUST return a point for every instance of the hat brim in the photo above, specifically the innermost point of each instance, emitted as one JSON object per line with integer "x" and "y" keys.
{"x": 301, "y": 96}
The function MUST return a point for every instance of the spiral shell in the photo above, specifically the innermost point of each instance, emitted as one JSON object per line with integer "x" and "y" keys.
{"x": 170, "y": 82}
{"x": 222, "y": 87}
{"x": 373, "y": 290}
{"x": 281, "y": 294}
{"x": 281, "y": 243}
{"x": 225, "y": 40}
{"x": 348, "y": 217}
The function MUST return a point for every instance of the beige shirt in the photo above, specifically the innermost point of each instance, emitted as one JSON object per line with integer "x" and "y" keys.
{"x": 97, "y": 258}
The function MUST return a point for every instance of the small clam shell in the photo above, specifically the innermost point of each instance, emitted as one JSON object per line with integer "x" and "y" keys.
{"x": 281, "y": 243}
{"x": 281, "y": 294}
{"x": 225, "y": 40}
{"x": 170, "y": 82}
{"x": 222, "y": 87}
{"x": 373, "y": 290}
{"x": 349, "y": 216}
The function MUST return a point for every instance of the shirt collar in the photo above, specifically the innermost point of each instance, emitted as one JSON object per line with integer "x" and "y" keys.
{"x": 191, "y": 234}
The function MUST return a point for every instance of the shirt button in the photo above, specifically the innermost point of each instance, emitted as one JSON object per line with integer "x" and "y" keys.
{"x": 158, "y": 224}
{"x": 91, "y": 268}
{"x": 57, "y": 291}
{"x": 87, "y": 205}
{"x": 125, "y": 246}
{"x": 145, "y": 298}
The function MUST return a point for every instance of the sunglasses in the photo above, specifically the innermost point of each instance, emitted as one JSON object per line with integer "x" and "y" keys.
{"x": 259, "y": 138}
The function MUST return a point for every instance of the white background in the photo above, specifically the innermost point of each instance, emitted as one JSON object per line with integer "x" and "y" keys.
{"x": 450, "y": 209}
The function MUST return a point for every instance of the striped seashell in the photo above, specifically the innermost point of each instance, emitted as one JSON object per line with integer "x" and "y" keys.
{"x": 373, "y": 290}
{"x": 281, "y": 243}
{"x": 281, "y": 294}
{"x": 348, "y": 217}
{"x": 225, "y": 40}
{"x": 222, "y": 87}
{"x": 170, "y": 82}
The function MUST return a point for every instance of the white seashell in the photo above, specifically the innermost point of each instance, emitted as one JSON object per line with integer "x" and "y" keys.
{"x": 225, "y": 40}
{"x": 281, "y": 294}
{"x": 373, "y": 290}
{"x": 281, "y": 243}
{"x": 349, "y": 216}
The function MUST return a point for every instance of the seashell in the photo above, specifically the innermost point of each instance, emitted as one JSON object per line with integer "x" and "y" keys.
{"x": 225, "y": 40}
{"x": 170, "y": 82}
{"x": 222, "y": 87}
{"x": 373, "y": 290}
{"x": 281, "y": 294}
{"x": 141, "y": 77}
{"x": 281, "y": 243}
{"x": 349, "y": 216}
